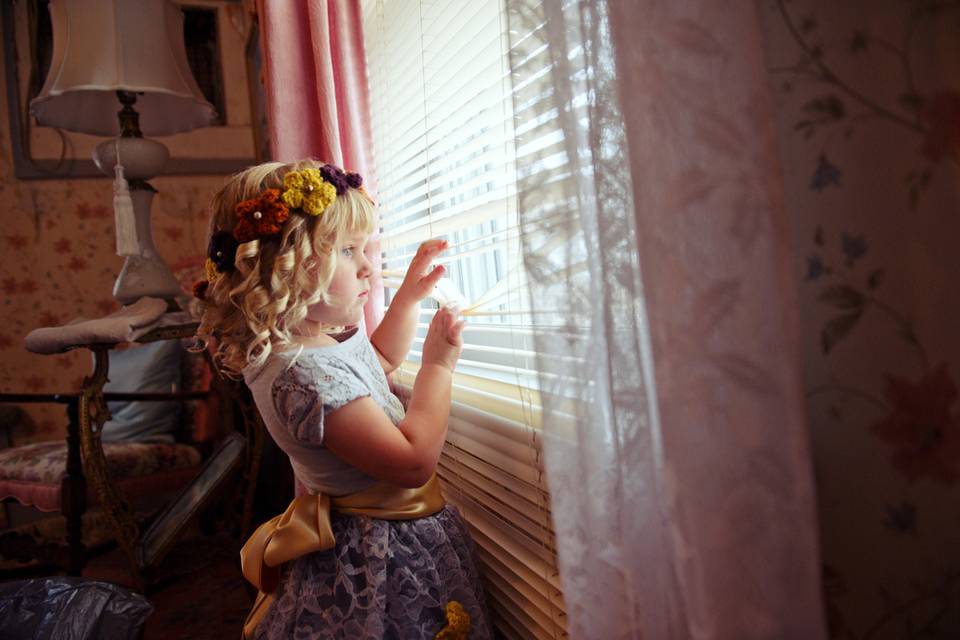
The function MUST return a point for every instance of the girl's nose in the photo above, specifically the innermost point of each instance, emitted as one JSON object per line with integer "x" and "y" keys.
{"x": 366, "y": 267}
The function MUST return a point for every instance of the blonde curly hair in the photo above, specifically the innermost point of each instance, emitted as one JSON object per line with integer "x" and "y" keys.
{"x": 250, "y": 311}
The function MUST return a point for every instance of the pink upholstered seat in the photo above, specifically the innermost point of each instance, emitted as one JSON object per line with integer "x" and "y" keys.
{"x": 31, "y": 473}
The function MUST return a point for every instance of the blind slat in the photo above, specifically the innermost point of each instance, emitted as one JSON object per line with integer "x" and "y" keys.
{"x": 447, "y": 154}
{"x": 537, "y": 528}
{"x": 456, "y": 472}
{"x": 549, "y": 596}
{"x": 488, "y": 535}
{"x": 547, "y": 614}
{"x": 520, "y": 613}
{"x": 533, "y": 493}
{"x": 473, "y": 420}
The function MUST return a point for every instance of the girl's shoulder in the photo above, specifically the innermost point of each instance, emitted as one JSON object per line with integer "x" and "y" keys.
{"x": 304, "y": 356}
{"x": 325, "y": 372}
{"x": 313, "y": 385}
{"x": 313, "y": 368}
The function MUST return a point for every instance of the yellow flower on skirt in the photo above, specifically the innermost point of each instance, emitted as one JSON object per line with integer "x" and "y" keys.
{"x": 458, "y": 623}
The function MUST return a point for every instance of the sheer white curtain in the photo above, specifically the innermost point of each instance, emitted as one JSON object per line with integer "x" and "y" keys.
{"x": 656, "y": 249}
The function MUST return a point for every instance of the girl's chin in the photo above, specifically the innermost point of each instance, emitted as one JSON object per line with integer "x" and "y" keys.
{"x": 349, "y": 319}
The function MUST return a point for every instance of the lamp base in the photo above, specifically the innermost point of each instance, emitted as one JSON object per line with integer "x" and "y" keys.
{"x": 145, "y": 274}
{"x": 142, "y": 158}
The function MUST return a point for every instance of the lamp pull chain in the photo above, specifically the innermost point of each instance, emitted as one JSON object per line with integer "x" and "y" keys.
{"x": 127, "y": 242}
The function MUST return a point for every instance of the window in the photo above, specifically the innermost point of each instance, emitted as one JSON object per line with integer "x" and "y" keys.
{"x": 202, "y": 42}
{"x": 442, "y": 122}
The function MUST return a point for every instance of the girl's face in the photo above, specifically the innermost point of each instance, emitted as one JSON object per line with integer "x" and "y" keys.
{"x": 350, "y": 287}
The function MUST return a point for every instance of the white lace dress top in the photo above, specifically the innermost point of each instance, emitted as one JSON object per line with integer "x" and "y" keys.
{"x": 294, "y": 390}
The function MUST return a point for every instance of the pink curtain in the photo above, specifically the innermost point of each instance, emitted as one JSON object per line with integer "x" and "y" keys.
{"x": 317, "y": 100}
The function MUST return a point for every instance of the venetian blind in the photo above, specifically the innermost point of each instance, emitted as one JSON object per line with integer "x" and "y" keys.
{"x": 442, "y": 106}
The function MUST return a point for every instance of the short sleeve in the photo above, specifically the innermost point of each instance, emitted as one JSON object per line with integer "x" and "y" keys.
{"x": 308, "y": 390}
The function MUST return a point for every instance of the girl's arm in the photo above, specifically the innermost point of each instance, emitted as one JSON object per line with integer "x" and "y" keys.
{"x": 393, "y": 337}
{"x": 362, "y": 435}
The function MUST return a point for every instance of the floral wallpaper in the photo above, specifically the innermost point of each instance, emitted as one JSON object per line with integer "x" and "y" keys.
{"x": 868, "y": 95}
{"x": 59, "y": 263}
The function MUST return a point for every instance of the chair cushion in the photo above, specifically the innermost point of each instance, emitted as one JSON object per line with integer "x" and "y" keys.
{"x": 31, "y": 473}
{"x": 150, "y": 368}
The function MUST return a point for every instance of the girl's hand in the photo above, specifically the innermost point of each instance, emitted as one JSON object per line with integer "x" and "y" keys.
{"x": 420, "y": 278}
{"x": 444, "y": 341}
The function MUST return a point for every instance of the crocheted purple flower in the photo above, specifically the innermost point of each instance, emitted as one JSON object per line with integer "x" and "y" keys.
{"x": 335, "y": 176}
{"x": 222, "y": 250}
{"x": 340, "y": 179}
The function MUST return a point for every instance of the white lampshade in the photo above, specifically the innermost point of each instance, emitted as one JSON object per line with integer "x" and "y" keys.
{"x": 102, "y": 46}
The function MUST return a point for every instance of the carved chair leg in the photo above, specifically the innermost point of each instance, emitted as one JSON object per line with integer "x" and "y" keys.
{"x": 73, "y": 493}
{"x": 93, "y": 413}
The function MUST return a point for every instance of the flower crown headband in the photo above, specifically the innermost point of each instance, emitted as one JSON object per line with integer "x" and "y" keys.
{"x": 308, "y": 191}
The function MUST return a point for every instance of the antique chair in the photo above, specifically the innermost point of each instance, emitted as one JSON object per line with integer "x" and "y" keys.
{"x": 213, "y": 446}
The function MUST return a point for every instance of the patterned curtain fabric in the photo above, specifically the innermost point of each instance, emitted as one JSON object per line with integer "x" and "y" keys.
{"x": 317, "y": 100}
{"x": 868, "y": 97}
{"x": 682, "y": 492}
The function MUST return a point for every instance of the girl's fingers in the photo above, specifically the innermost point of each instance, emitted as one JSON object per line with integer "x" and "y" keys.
{"x": 431, "y": 248}
{"x": 434, "y": 323}
{"x": 427, "y": 251}
{"x": 455, "y": 333}
{"x": 441, "y": 320}
{"x": 453, "y": 316}
{"x": 426, "y": 282}
{"x": 434, "y": 276}
{"x": 434, "y": 245}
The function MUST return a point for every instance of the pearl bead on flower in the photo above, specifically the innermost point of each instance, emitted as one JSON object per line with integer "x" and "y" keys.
{"x": 309, "y": 188}
{"x": 257, "y": 215}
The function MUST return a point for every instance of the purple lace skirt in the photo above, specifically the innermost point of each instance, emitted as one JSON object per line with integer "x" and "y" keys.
{"x": 384, "y": 579}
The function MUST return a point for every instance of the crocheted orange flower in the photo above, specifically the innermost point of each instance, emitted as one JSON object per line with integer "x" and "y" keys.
{"x": 200, "y": 289}
{"x": 260, "y": 217}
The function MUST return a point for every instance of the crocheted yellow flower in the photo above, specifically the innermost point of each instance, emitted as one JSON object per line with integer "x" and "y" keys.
{"x": 211, "y": 270}
{"x": 458, "y": 623}
{"x": 308, "y": 191}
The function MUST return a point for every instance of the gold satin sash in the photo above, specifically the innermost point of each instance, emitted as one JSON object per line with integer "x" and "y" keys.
{"x": 305, "y": 527}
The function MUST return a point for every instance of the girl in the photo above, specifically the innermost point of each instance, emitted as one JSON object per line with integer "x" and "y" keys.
{"x": 370, "y": 550}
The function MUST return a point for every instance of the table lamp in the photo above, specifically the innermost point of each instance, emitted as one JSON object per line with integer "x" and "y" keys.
{"x": 117, "y": 53}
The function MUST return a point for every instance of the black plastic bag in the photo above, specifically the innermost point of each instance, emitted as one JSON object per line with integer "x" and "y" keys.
{"x": 61, "y": 608}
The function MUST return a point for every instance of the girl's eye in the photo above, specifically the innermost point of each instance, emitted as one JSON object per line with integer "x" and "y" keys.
{"x": 347, "y": 252}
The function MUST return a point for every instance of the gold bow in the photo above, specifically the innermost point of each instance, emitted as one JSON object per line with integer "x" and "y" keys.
{"x": 305, "y": 527}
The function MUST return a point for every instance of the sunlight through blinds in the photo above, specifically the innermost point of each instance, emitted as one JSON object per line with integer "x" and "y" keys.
{"x": 445, "y": 155}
